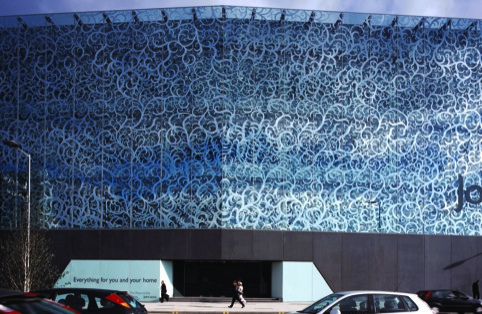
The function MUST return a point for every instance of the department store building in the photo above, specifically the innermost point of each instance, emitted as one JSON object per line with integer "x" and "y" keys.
{"x": 301, "y": 152}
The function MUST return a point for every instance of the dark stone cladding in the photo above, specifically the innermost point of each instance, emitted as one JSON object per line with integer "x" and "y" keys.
{"x": 347, "y": 261}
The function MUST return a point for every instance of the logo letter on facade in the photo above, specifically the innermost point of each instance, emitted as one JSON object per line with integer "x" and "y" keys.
{"x": 468, "y": 195}
{"x": 460, "y": 194}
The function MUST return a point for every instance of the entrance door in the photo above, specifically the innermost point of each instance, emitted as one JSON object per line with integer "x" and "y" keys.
{"x": 215, "y": 278}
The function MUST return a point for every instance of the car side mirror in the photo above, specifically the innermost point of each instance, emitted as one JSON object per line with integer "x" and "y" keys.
{"x": 335, "y": 311}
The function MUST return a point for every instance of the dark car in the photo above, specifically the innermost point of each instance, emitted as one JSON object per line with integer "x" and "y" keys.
{"x": 450, "y": 301}
{"x": 87, "y": 300}
{"x": 16, "y": 302}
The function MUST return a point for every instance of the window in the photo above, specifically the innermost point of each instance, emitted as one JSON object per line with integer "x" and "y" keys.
{"x": 353, "y": 305}
{"x": 320, "y": 304}
{"x": 387, "y": 303}
{"x": 410, "y": 304}
{"x": 460, "y": 295}
{"x": 103, "y": 303}
{"x": 441, "y": 294}
{"x": 76, "y": 301}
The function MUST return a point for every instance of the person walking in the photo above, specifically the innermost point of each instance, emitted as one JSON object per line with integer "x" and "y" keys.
{"x": 475, "y": 289}
{"x": 164, "y": 295}
{"x": 235, "y": 294}
{"x": 240, "y": 292}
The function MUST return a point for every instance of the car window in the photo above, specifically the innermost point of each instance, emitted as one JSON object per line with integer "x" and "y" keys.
{"x": 412, "y": 306}
{"x": 103, "y": 303}
{"x": 322, "y": 303}
{"x": 388, "y": 303}
{"x": 441, "y": 294}
{"x": 357, "y": 304}
{"x": 460, "y": 295}
{"x": 77, "y": 301}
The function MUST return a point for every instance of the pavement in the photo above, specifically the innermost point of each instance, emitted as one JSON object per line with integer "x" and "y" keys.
{"x": 173, "y": 307}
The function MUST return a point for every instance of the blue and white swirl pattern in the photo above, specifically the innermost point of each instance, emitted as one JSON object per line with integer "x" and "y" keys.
{"x": 242, "y": 118}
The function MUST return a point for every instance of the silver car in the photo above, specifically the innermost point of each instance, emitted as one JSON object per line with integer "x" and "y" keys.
{"x": 369, "y": 302}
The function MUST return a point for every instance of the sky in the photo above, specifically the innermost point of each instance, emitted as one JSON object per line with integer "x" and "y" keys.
{"x": 435, "y": 8}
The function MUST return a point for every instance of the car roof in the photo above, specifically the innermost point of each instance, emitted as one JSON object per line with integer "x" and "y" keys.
{"x": 8, "y": 292}
{"x": 374, "y": 292}
{"x": 438, "y": 290}
{"x": 81, "y": 290}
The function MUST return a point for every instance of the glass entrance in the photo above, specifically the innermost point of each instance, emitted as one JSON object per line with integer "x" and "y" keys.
{"x": 215, "y": 278}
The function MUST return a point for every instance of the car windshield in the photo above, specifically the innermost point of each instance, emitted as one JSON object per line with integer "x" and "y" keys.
{"x": 322, "y": 303}
{"x": 460, "y": 295}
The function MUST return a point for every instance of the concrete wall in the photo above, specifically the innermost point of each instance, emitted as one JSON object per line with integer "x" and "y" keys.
{"x": 345, "y": 260}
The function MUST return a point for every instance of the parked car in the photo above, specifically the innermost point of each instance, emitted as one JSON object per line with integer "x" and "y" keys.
{"x": 16, "y": 302}
{"x": 364, "y": 302}
{"x": 450, "y": 301}
{"x": 90, "y": 300}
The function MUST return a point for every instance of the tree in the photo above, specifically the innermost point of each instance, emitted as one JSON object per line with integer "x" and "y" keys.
{"x": 26, "y": 269}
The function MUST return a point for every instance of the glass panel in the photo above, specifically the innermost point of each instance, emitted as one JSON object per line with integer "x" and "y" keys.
{"x": 76, "y": 301}
{"x": 410, "y": 304}
{"x": 385, "y": 303}
{"x": 352, "y": 305}
{"x": 238, "y": 117}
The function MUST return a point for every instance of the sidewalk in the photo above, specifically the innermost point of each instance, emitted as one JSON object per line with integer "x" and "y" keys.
{"x": 220, "y": 307}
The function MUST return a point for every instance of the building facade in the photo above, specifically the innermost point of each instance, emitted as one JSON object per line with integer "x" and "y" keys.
{"x": 236, "y": 141}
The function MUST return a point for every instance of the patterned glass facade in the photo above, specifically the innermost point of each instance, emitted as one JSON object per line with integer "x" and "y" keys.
{"x": 235, "y": 117}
